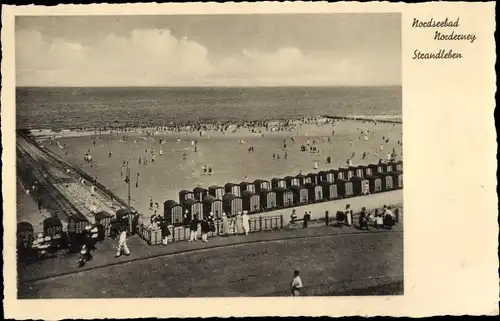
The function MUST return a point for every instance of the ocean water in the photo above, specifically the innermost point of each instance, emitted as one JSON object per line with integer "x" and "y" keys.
{"x": 59, "y": 108}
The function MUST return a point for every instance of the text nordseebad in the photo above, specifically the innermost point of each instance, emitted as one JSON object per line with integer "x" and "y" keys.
{"x": 442, "y": 36}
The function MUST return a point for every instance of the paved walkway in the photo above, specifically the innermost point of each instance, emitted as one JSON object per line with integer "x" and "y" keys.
{"x": 104, "y": 256}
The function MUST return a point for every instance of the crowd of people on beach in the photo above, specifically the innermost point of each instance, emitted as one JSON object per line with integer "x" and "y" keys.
{"x": 313, "y": 145}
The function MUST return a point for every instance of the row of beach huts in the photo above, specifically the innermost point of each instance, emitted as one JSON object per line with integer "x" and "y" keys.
{"x": 263, "y": 195}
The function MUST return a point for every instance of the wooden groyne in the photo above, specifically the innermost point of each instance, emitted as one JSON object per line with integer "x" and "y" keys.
{"x": 364, "y": 118}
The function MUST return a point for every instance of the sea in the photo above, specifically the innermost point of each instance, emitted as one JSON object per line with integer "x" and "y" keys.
{"x": 94, "y": 107}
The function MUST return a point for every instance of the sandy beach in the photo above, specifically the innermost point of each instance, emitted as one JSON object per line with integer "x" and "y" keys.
{"x": 180, "y": 167}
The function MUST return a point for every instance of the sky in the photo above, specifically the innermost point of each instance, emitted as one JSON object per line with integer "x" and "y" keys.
{"x": 358, "y": 49}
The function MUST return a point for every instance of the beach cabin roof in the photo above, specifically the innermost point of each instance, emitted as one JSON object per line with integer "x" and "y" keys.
{"x": 228, "y": 197}
{"x": 310, "y": 185}
{"x": 243, "y": 184}
{"x": 357, "y": 179}
{"x": 214, "y": 187}
{"x": 247, "y": 194}
{"x": 209, "y": 199}
{"x": 265, "y": 190}
{"x": 51, "y": 222}
{"x": 259, "y": 181}
{"x": 296, "y": 188}
{"x": 229, "y": 185}
{"x": 362, "y": 167}
{"x": 199, "y": 189}
{"x": 326, "y": 183}
{"x": 322, "y": 173}
{"x": 24, "y": 227}
{"x": 190, "y": 202}
{"x": 185, "y": 191}
{"x": 280, "y": 190}
{"x": 170, "y": 204}
{"x": 289, "y": 178}
{"x": 312, "y": 175}
{"x": 300, "y": 176}
{"x": 102, "y": 215}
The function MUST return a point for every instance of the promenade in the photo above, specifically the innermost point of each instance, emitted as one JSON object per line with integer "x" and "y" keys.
{"x": 104, "y": 256}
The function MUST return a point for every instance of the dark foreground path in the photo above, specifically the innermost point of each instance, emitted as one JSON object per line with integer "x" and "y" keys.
{"x": 332, "y": 262}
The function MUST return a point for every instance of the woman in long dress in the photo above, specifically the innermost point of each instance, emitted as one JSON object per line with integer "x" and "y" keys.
{"x": 238, "y": 224}
{"x": 225, "y": 225}
{"x": 246, "y": 222}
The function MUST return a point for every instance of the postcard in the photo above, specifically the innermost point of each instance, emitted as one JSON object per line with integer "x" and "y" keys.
{"x": 250, "y": 159}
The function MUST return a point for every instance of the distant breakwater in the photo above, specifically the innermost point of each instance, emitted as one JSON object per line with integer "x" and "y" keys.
{"x": 364, "y": 118}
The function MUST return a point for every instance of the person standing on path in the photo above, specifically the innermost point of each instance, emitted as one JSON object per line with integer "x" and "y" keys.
{"x": 165, "y": 232}
{"x": 193, "y": 228}
{"x": 348, "y": 214}
{"x": 246, "y": 222}
{"x": 205, "y": 228}
{"x": 238, "y": 224}
{"x": 296, "y": 283}
{"x": 122, "y": 243}
{"x": 225, "y": 225}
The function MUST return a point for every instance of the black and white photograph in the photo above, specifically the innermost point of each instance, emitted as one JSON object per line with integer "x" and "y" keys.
{"x": 242, "y": 155}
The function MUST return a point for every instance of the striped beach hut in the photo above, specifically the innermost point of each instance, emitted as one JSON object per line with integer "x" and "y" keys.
{"x": 247, "y": 186}
{"x": 216, "y": 191}
{"x": 345, "y": 188}
{"x": 199, "y": 193}
{"x": 330, "y": 190}
{"x": 359, "y": 171}
{"x": 251, "y": 201}
{"x": 291, "y": 181}
{"x": 315, "y": 192}
{"x": 185, "y": 195}
{"x": 232, "y": 204}
{"x": 387, "y": 181}
{"x": 284, "y": 197}
{"x": 375, "y": 182}
{"x": 193, "y": 208}
{"x": 301, "y": 194}
{"x": 360, "y": 185}
{"x": 312, "y": 178}
{"x": 350, "y": 172}
{"x": 337, "y": 174}
{"x": 329, "y": 176}
{"x": 173, "y": 212}
{"x": 367, "y": 171}
{"x": 278, "y": 182}
{"x": 261, "y": 184}
{"x": 301, "y": 179}
{"x": 400, "y": 179}
{"x": 212, "y": 205}
{"x": 321, "y": 176}
{"x": 267, "y": 199}
{"x": 399, "y": 166}
{"x": 376, "y": 168}
{"x": 389, "y": 167}
{"x": 233, "y": 189}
